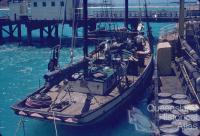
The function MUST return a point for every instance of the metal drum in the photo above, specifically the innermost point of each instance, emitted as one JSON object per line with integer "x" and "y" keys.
{"x": 166, "y": 118}
{"x": 190, "y": 131}
{"x": 192, "y": 117}
{"x": 181, "y": 123}
{"x": 164, "y": 95}
{"x": 192, "y": 108}
{"x": 179, "y": 96}
{"x": 180, "y": 102}
{"x": 179, "y": 112}
{"x": 170, "y": 129}
{"x": 165, "y": 108}
{"x": 165, "y": 101}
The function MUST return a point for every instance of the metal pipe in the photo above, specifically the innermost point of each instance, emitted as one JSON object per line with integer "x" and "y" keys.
{"x": 190, "y": 52}
{"x": 194, "y": 74}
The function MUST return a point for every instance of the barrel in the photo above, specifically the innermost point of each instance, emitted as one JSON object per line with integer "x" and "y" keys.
{"x": 192, "y": 117}
{"x": 165, "y": 118}
{"x": 181, "y": 102}
{"x": 181, "y": 123}
{"x": 165, "y": 101}
{"x": 179, "y": 96}
{"x": 165, "y": 108}
{"x": 169, "y": 129}
{"x": 193, "y": 108}
{"x": 191, "y": 131}
{"x": 179, "y": 112}
{"x": 164, "y": 95}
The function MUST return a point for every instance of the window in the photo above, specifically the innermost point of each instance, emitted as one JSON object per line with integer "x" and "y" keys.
{"x": 53, "y": 4}
{"x": 62, "y": 3}
{"x": 44, "y": 4}
{"x": 35, "y": 4}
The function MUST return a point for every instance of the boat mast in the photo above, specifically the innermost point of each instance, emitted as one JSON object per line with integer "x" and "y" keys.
{"x": 126, "y": 14}
{"x": 85, "y": 29}
{"x": 85, "y": 35}
{"x": 181, "y": 19}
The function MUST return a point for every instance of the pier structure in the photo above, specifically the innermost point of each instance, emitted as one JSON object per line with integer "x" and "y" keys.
{"x": 14, "y": 30}
{"x": 48, "y": 24}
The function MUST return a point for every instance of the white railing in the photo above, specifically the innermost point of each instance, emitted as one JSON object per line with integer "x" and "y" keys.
{"x": 119, "y": 13}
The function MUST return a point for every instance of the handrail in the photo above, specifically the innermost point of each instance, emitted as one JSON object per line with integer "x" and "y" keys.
{"x": 119, "y": 13}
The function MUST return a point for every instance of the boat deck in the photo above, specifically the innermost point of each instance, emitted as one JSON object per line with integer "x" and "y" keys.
{"x": 80, "y": 103}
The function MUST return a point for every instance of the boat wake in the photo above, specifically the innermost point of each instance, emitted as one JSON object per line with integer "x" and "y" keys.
{"x": 141, "y": 122}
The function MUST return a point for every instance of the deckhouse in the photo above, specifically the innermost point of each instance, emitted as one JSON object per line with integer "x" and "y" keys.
{"x": 42, "y": 9}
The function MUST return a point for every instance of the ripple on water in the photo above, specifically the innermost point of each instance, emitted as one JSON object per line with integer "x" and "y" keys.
{"x": 8, "y": 48}
{"x": 26, "y": 70}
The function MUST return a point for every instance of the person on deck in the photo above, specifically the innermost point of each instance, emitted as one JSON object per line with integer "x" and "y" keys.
{"x": 142, "y": 49}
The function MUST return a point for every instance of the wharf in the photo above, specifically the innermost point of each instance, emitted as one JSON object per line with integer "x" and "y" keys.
{"x": 50, "y": 27}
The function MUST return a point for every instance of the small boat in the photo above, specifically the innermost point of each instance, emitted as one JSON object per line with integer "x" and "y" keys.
{"x": 92, "y": 89}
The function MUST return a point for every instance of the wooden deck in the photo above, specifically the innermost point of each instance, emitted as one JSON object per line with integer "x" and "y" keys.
{"x": 80, "y": 102}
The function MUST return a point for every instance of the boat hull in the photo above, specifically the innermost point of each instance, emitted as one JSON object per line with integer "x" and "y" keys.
{"x": 105, "y": 111}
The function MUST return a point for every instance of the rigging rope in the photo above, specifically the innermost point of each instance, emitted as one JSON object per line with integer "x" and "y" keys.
{"x": 54, "y": 122}
{"x": 74, "y": 27}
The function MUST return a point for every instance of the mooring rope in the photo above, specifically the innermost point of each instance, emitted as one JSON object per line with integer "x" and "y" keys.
{"x": 20, "y": 124}
{"x": 54, "y": 122}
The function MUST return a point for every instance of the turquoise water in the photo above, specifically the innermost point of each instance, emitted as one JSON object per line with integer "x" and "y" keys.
{"x": 21, "y": 72}
{"x": 21, "y": 68}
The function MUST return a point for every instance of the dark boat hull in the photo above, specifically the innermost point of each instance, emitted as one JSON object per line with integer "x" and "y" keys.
{"x": 102, "y": 113}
